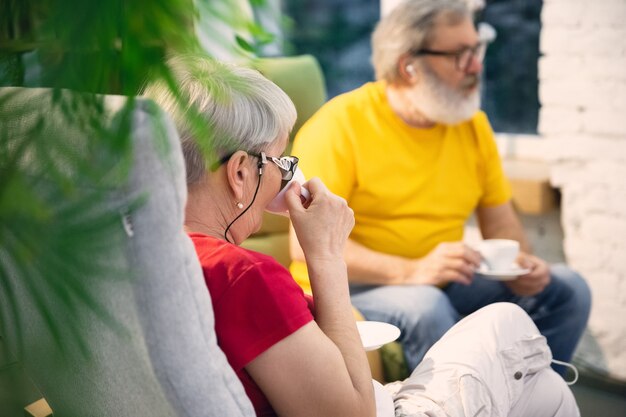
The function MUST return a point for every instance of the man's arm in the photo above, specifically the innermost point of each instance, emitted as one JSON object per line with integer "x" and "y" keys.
{"x": 449, "y": 261}
{"x": 502, "y": 222}
{"x": 365, "y": 266}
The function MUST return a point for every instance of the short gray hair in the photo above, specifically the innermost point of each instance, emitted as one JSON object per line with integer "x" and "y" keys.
{"x": 409, "y": 27}
{"x": 243, "y": 110}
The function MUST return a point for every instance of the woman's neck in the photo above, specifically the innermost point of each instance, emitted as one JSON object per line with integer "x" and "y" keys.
{"x": 196, "y": 226}
{"x": 204, "y": 215}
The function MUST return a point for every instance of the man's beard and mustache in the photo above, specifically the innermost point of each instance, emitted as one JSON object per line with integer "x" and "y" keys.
{"x": 443, "y": 104}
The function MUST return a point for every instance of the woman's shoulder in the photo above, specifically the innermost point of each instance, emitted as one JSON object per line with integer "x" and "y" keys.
{"x": 234, "y": 262}
{"x": 212, "y": 251}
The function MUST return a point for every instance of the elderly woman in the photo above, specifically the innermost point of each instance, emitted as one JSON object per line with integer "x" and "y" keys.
{"x": 299, "y": 359}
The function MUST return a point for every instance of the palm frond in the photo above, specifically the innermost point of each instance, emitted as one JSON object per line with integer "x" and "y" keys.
{"x": 57, "y": 229}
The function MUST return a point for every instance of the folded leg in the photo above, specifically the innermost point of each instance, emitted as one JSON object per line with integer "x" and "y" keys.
{"x": 489, "y": 364}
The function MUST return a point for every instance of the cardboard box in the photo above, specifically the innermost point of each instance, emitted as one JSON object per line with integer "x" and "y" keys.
{"x": 530, "y": 184}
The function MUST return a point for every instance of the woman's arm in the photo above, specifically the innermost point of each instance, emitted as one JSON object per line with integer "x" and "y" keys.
{"x": 321, "y": 369}
{"x": 308, "y": 374}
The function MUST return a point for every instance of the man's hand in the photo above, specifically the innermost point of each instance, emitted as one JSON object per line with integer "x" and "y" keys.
{"x": 535, "y": 281}
{"x": 449, "y": 261}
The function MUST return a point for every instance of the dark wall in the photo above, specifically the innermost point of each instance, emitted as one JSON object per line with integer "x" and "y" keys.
{"x": 338, "y": 32}
{"x": 511, "y": 86}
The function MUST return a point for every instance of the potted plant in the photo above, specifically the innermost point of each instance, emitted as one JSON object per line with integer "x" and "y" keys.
{"x": 51, "y": 230}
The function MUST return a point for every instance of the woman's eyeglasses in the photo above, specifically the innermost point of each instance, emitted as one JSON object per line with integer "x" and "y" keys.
{"x": 286, "y": 164}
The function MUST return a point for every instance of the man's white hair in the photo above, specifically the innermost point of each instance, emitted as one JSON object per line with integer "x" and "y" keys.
{"x": 243, "y": 110}
{"x": 409, "y": 27}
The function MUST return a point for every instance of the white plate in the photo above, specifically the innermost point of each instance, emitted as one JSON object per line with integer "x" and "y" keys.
{"x": 502, "y": 274}
{"x": 374, "y": 334}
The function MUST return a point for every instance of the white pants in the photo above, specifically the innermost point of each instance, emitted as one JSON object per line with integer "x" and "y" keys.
{"x": 493, "y": 363}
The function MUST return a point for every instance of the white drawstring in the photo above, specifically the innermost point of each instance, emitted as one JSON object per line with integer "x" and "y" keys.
{"x": 572, "y": 367}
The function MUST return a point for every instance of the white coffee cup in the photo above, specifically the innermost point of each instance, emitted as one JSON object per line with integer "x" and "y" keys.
{"x": 499, "y": 254}
{"x": 279, "y": 205}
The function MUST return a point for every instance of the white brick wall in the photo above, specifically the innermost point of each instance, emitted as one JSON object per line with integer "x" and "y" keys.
{"x": 583, "y": 119}
{"x": 584, "y": 13}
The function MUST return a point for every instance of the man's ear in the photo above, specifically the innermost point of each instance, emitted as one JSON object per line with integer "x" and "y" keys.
{"x": 238, "y": 168}
{"x": 407, "y": 70}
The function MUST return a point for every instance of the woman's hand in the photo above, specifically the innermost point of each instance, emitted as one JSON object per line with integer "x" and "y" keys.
{"x": 324, "y": 225}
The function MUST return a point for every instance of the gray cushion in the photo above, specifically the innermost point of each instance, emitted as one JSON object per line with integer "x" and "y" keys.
{"x": 149, "y": 346}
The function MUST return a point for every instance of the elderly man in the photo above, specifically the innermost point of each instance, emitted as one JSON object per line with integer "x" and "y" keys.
{"x": 415, "y": 158}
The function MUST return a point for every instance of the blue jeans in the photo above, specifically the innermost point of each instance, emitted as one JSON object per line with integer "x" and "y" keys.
{"x": 424, "y": 313}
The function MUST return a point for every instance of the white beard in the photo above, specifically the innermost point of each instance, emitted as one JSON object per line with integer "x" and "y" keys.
{"x": 441, "y": 103}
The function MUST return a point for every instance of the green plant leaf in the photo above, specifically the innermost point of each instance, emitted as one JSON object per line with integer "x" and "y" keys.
{"x": 243, "y": 44}
{"x": 57, "y": 227}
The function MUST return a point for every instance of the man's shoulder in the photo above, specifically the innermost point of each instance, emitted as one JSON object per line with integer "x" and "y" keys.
{"x": 479, "y": 127}
{"x": 479, "y": 119}
{"x": 354, "y": 101}
{"x": 339, "y": 117}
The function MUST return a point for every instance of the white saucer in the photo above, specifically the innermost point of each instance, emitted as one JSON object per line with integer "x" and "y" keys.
{"x": 502, "y": 274}
{"x": 374, "y": 334}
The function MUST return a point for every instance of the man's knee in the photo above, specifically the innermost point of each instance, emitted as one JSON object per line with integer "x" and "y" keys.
{"x": 439, "y": 313}
{"x": 424, "y": 313}
{"x": 418, "y": 300}
{"x": 406, "y": 306}
{"x": 434, "y": 299}
{"x": 580, "y": 293}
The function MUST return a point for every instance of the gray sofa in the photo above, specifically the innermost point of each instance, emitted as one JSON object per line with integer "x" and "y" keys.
{"x": 132, "y": 336}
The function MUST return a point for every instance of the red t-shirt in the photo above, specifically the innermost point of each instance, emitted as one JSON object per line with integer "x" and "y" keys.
{"x": 256, "y": 304}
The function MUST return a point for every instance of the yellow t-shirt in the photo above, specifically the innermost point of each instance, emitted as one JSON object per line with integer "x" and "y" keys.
{"x": 410, "y": 188}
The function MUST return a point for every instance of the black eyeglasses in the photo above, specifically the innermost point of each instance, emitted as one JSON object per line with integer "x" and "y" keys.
{"x": 286, "y": 164}
{"x": 463, "y": 58}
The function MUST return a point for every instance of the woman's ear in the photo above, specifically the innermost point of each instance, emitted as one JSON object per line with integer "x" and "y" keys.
{"x": 238, "y": 169}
